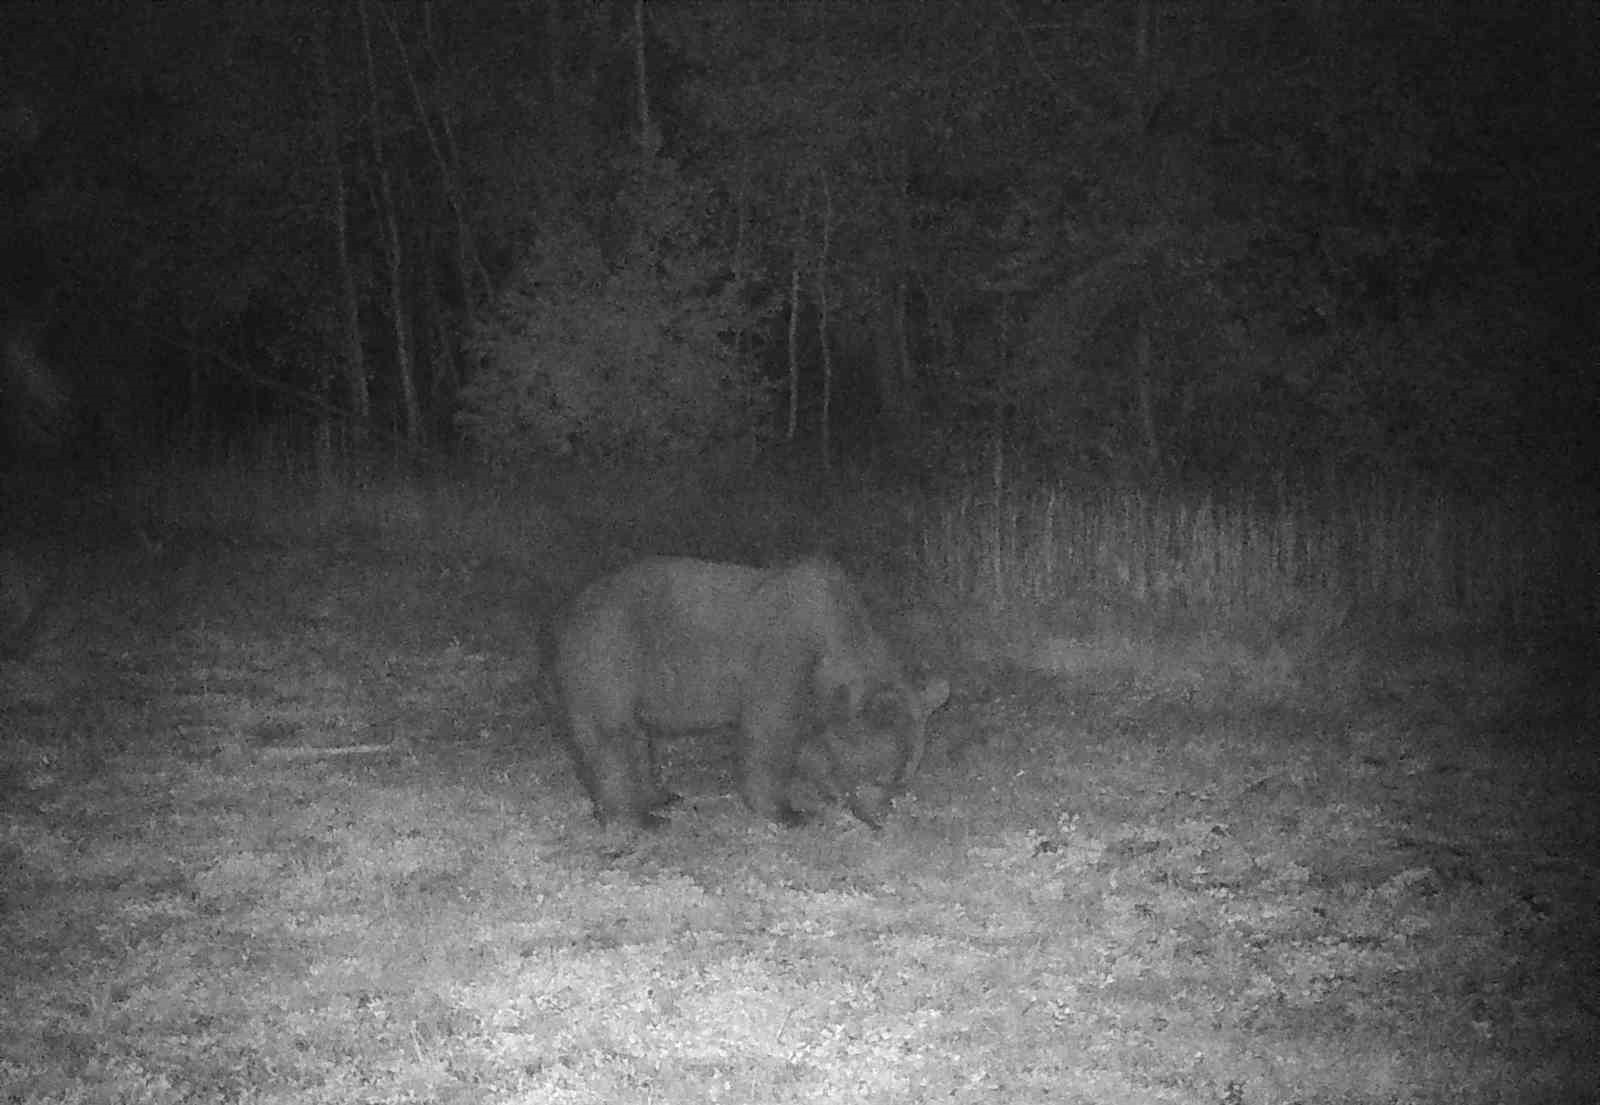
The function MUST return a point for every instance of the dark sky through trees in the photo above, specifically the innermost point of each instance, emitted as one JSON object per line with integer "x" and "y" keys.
{"x": 1150, "y": 240}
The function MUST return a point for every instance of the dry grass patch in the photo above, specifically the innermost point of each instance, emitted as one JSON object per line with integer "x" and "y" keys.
{"x": 297, "y": 831}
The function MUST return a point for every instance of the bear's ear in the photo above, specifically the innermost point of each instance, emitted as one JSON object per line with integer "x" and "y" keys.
{"x": 934, "y": 694}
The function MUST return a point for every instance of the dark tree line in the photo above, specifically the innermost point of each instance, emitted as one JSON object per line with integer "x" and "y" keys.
{"x": 1145, "y": 239}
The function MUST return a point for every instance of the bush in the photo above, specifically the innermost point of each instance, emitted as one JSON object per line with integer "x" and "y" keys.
{"x": 636, "y": 361}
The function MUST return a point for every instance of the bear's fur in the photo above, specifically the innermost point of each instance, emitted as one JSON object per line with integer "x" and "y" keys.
{"x": 787, "y": 656}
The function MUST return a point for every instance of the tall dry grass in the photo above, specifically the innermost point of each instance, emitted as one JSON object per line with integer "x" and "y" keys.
{"x": 1400, "y": 557}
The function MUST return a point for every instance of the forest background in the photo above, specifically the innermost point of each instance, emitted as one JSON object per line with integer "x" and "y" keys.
{"x": 1163, "y": 243}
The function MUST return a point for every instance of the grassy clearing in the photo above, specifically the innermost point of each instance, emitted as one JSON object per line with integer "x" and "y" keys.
{"x": 283, "y": 822}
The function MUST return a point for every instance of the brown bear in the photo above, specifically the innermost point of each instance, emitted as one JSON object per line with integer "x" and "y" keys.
{"x": 787, "y": 656}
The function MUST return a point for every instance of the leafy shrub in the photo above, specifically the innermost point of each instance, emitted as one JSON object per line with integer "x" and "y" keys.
{"x": 636, "y": 360}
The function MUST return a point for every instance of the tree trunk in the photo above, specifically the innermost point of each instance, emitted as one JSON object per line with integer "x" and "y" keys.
{"x": 794, "y": 344}
{"x": 895, "y": 371}
{"x": 1147, "y": 402}
{"x": 649, "y": 141}
{"x": 822, "y": 326}
{"x": 404, "y": 355}
{"x": 441, "y": 144}
{"x": 353, "y": 356}
{"x": 391, "y": 243}
{"x": 895, "y": 374}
